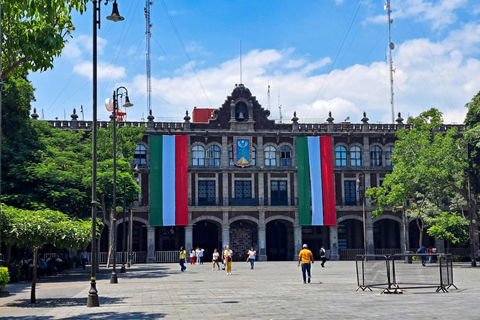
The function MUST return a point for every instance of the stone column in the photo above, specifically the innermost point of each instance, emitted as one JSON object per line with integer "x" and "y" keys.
{"x": 262, "y": 237}
{"x": 334, "y": 256}
{"x": 224, "y": 158}
{"x": 260, "y": 161}
{"x": 188, "y": 238}
{"x": 297, "y": 241}
{"x": 261, "y": 189}
{"x": 225, "y": 230}
{"x": 369, "y": 233}
{"x": 150, "y": 244}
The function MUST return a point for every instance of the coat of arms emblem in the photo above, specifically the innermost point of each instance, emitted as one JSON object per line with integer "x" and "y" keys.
{"x": 242, "y": 151}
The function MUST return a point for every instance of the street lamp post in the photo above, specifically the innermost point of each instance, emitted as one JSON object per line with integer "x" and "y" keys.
{"x": 124, "y": 239}
{"x": 92, "y": 300}
{"x": 113, "y": 277}
{"x": 364, "y": 218}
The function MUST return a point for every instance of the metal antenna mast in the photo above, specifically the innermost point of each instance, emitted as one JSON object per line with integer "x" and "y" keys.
{"x": 148, "y": 35}
{"x": 280, "y": 109}
{"x": 391, "y": 46}
{"x": 268, "y": 94}
{"x": 241, "y": 61}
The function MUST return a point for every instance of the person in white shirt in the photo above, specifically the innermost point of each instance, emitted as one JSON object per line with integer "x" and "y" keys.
{"x": 197, "y": 255}
{"x": 192, "y": 256}
{"x": 215, "y": 259}
{"x": 251, "y": 257}
{"x": 200, "y": 255}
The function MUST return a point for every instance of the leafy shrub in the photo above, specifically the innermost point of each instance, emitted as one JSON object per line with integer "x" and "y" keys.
{"x": 4, "y": 278}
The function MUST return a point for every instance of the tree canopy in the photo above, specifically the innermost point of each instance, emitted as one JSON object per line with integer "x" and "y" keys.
{"x": 35, "y": 32}
{"x": 430, "y": 169}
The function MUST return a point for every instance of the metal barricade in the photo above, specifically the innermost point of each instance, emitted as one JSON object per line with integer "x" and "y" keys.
{"x": 396, "y": 272}
{"x": 372, "y": 271}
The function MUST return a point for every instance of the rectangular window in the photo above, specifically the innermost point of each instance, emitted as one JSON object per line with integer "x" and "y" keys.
{"x": 206, "y": 193}
{"x": 243, "y": 189}
{"x": 278, "y": 193}
{"x": 350, "y": 192}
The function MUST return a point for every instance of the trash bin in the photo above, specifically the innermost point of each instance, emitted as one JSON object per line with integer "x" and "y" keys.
{"x": 408, "y": 256}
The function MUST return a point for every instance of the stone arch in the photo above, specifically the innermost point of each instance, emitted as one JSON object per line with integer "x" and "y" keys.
{"x": 279, "y": 236}
{"x": 349, "y": 217}
{"x": 387, "y": 232}
{"x": 387, "y": 216}
{"x": 141, "y": 220}
{"x": 351, "y": 232}
{"x": 244, "y": 217}
{"x": 278, "y": 217}
{"x": 214, "y": 219}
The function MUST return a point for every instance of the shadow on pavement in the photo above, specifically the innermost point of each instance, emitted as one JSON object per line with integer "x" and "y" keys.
{"x": 100, "y": 316}
{"x": 58, "y": 302}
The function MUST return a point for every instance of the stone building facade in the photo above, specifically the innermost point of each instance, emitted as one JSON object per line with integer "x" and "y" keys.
{"x": 257, "y": 205}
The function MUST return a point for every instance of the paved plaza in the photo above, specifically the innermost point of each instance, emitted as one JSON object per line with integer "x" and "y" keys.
{"x": 273, "y": 290}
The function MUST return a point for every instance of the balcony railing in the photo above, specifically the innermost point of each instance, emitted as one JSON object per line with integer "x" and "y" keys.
{"x": 251, "y": 202}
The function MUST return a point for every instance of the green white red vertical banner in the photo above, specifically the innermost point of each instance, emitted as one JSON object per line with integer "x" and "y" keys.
{"x": 316, "y": 191}
{"x": 168, "y": 180}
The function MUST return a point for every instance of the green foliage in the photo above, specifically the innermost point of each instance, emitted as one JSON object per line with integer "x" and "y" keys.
{"x": 472, "y": 136}
{"x": 51, "y": 168}
{"x": 34, "y": 33}
{"x": 449, "y": 226}
{"x": 4, "y": 277}
{"x": 33, "y": 229}
{"x": 430, "y": 168}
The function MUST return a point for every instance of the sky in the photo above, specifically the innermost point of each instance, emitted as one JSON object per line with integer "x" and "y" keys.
{"x": 316, "y": 56}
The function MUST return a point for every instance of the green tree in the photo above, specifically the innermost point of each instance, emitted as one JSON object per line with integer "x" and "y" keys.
{"x": 449, "y": 226}
{"x": 127, "y": 188}
{"x": 34, "y": 229}
{"x": 429, "y": 169}
{"x": 35, "y": 32}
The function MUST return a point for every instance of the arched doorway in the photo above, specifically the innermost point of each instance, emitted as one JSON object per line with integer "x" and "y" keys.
{"x": 105, "y": 239}
{"x": 386, "y": 234}
{"x": 205, "y": 236}
{"x": 169, "y": 238}
{"x": 414, "y": 237}
{"x": 350, "y": 234}
{"x": 278, "y": 239}
{"x": 243, "y": 236}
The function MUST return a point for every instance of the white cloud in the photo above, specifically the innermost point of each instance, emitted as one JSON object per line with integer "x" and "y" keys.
{"x": 82, "y": 46}
{"x": 104, "y": 70}
{"x": 338, "y": 2}
{"x": 438, "y": 13}
{"x": 428, "y": 74}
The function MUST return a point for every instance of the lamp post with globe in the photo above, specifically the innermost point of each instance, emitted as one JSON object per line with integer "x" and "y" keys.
{"x": 112, "y": 105}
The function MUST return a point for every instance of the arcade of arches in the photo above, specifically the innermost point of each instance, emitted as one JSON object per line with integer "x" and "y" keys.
{"x": 277, "y": 240}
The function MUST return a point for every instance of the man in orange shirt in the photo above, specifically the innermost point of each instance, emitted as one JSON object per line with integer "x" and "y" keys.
{"x": 304, "y": 258}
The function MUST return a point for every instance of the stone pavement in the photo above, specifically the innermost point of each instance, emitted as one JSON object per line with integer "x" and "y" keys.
{"x": 273, "y": 290}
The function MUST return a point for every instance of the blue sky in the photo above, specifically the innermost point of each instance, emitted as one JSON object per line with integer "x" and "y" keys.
{"x": 317, "y": 56}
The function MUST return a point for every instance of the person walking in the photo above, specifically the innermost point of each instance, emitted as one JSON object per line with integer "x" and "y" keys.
{"x": 304, "y": 258}
{"x": 197, "y": 255}
{"x": 183, "y": 256}
{"x": 323, "y": 256}
{"x": 215, "y": 259}
{"x": 228, "y": 255}
{"x": 200, "y": 255}
{"x": 84, "y": 258}
{"x": 251, "y": 257}
{"x": 423, "y": 251}
{"x": 192, "y": 256}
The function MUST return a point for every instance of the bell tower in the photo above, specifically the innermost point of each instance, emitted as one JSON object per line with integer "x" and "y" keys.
{"x": 241, "y": 109}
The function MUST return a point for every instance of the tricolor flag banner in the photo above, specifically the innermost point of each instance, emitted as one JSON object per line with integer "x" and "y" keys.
{"x": 316, "y": 192}
{"x": 168, "y": 180}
